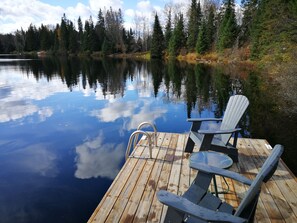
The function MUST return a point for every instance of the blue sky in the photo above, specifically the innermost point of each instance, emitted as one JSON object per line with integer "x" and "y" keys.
{"x": 17, "y": 14}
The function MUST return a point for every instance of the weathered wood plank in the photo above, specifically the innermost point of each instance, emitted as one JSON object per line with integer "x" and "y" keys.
{"x": 150, "y": 189}
{"x": 107, "y": 202}
{"x": 175, "y": 172}
{"x": 278, "y": 189}
{"x": 129, "y": 212}
{"x": 134, "y": 186}
{"x": 132, "y": 195}
{"x": 156, "y": 207}
{"x": 250, "y": 170}
{"x": 185, "y": 169}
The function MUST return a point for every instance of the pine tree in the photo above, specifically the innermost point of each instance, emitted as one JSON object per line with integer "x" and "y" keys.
{"x": 20, "y": 37}
{"x": 80, "y": 32}
{"x": 86, "y": 39}
{"x": 73, "y": 41}
{"x": 274, "y": 28}
{"x": 157, "y": 43}
{"x": 178, "y": 39}
{"x": 56, "y": 38}
{"x": 168, "y": 30}
{"x": 194, "y": 24}
{"x": 228, "y": 27}
{"x": 106, "y": 47}
{"x": 100, "y": 29}
{"x": 64, "y": 35}
{"x": 32, "y": 39}
{"x": 210, "y": 27}
{"x": 249, "y": 13}
{"x": 45, "y": 38}
{"x": 202, "y": 42}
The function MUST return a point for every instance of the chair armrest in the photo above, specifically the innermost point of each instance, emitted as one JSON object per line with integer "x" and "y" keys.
{"x": 203, "y": 119}
{"x": 221, "y": 172}
{"x": 182, "y": 204}
{"x": 213, "y": 132}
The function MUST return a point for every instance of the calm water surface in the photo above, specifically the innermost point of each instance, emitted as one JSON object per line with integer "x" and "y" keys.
{"x": 65, "y": 124}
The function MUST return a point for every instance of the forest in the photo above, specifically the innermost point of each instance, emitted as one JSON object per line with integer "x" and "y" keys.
{"x": 258, "y": 29}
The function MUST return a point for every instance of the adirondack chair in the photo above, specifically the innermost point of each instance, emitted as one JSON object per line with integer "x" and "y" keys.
{"x": 199, "y": 205}
{"x": 218, "y": 140}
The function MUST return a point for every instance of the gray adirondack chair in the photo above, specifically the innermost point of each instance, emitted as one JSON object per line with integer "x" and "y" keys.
{"x": 218, "y": 140}
{"x": 199, "y": 205}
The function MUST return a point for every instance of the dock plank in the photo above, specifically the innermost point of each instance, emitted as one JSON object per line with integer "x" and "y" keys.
{"x": 132, "y": 195}
{"x": 156, "y": 209}
{"x": 133, "y": 203}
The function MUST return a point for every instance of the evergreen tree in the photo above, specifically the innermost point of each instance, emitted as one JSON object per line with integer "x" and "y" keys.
{"x": 106, "y": 47}
{"x": 45, "y": 38}
{"x": 210, "y": 27}
{"x": 228, "y": 27}
{"x": 168, "y": 30}
{"x": 178, "y": 39}
{"x": 131, "y": 43}
{"x": 87, "y": 34}
{"x": 194, "y": 24}
{"x": 64, "y": 35}
{"x": 100, "y": 29}
{"x": 274, "y": 27}
{"x": 56, "y": 38}
{"x": 250, "y": 9}
{"x": 80, "y": 32}
{"x": 93, "y": 39}
{"x": 20, "y": 37}
{"x": 32, "y": 39}
{"x": 157, "y": 43}
{"x": 73, "y": 38}
{"x": 202, "y": 42}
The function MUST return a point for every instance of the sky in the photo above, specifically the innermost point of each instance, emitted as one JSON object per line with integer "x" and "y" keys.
{"x": 17, "y": 14}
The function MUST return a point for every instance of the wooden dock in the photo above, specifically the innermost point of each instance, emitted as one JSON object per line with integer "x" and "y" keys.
{"x": 132, "y": 195}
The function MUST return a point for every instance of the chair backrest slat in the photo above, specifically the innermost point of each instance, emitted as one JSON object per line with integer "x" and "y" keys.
{"x": 264, "y": 175}
{"x": 235, "y": 109}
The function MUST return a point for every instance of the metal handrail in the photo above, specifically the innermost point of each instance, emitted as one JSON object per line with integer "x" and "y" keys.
{"x": 153, "y": 126}
{"x": 134, "y": 136}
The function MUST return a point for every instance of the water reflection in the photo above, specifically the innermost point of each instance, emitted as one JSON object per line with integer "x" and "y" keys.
{"x": 32, "y": 159}
{"x": 98, "y": 159}
{"x": 65, "y": 123}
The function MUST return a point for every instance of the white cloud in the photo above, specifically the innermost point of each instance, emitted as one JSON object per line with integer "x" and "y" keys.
{"x": 142, "y": 13}
{"x": 133, "y": 112}
{"x": 144, "y": 6}
{"x": 44, "y": 113}
{"x": 94, "y": 159}
{"x": 115, "y": 110}
{"x": 34, "y": 159}
{"x": 130, "y": 13}
{"x": 115, "y": 4}
{"x": 13, "y": 110}
{"x": 19, "y": 14}
{"x": 144, "y": 115}
{"x": 18, "y": 94}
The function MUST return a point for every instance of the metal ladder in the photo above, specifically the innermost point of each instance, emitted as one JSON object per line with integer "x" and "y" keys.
{"x": 134, "y": 139}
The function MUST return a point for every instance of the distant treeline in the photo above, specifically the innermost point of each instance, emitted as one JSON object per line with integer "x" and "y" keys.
{"x": 265, "y": 27}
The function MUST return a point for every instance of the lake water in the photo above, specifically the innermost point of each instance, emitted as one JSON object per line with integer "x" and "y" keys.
{"x": 65, "y": 124}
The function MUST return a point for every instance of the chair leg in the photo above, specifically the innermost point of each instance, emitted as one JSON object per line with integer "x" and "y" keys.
{"x": 234, "y": 155}
{"x": 190, "y": 145}
{"x": 173, "y": 216}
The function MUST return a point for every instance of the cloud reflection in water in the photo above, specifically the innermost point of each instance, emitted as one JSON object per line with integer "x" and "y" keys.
{"x": 36, "y": 159}
{"x": 135, "y": 112}
{"x": 96, "y": 159}
{"x": 18, "y": 93}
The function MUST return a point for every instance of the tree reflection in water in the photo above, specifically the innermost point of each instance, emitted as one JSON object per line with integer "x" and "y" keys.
{"x": 66, "y": 110}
